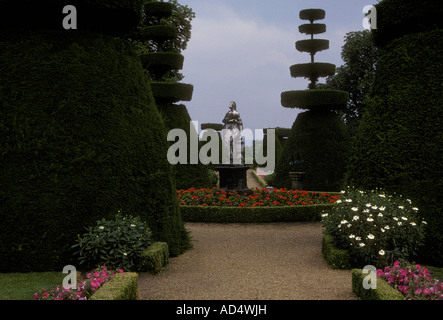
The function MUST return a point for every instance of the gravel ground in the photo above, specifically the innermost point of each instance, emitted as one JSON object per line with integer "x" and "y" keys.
{"x": 275, "y": 261}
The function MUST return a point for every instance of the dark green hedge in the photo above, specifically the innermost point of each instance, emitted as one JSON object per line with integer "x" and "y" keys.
{"x": 171, "y": 92}
{"x": 158, "y": 33}
{"x": 383, "y": 291}
{"x": 321, "y": 140}
{"x": 81, "y": 138}
{"x": 159, "y": 63}
{"x": 396, "y": 18}
{"x": 321, "y": 99}
{"x": 158, "y": 9}
{"x": 312, "y": 28}
{"x": 312, "y": 14}
{"x": 312, "y": 70}
{"x": 187, "y": 175}
{"x": 400, "y": 140}
{"x": 312, "y": 45}
{"x": 123, "y": 286}
{"x": 104, "y": 16}
{"x": 252, "y": 215}
{"x": 334, "y": 257}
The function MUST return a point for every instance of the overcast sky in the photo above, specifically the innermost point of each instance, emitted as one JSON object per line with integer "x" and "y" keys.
{"x": 241, "y": 51}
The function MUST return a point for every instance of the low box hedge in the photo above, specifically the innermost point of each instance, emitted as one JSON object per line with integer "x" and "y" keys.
{"x": 154, "y": 258}
{"x": 336, "y": 258}
{"x": 252, "y": 215}
{"x": 383, "y": 291}
{"x": 123, "y": 286}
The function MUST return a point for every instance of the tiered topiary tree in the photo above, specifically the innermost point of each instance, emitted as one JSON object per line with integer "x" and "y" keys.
{"x": 162, "y": 64}
{"x": 80, "y": 133}
{"x": 317, "y": 135}
{"x": 399, "y": 143}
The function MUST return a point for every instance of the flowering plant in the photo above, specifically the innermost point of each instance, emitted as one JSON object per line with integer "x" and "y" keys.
{"x": 259, "y": 197}
{"x": 84, "y": 290}
{"x": 413, "y": 281}
{"x": 376, "y": 228}
{"x": 117, "y": 243}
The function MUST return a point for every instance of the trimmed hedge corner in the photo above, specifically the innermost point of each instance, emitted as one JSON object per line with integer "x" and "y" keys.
{"x": 123, "y": 286}
{"x": 155, "y": 257}
{"x": 252, "y": 215}
{"x": 336, "y": 258}
{"x": 383, "y": 291}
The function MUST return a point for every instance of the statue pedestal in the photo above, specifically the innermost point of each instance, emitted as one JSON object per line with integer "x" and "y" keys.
{"x": 233, "y": 177}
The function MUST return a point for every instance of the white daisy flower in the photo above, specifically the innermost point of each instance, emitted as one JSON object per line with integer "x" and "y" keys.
{"x": 381, "y": 252}
{"x": 371, "y": 236}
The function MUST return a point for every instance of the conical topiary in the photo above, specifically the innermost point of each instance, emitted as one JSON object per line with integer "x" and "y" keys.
{"x": 167, "y": 90}
{"x": 318, "y": 134}
{"x": 80, "y": 135}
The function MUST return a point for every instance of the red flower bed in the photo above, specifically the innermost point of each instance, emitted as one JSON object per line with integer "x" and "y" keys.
{"x": 259, "y": 198}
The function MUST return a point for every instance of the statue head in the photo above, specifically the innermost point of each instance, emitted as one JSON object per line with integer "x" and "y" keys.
{"x": 232, "y": 106}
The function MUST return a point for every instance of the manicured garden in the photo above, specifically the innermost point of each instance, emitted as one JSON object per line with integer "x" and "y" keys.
{"x": 84, "y": 132}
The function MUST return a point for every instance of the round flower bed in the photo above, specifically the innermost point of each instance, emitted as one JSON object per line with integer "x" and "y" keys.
{"x": 259, "y": 198}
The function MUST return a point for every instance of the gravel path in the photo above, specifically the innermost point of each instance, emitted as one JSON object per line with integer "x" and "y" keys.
{"x": 275, "y": 261}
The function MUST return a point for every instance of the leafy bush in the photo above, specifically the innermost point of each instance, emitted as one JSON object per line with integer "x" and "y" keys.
{"x": 321, "y": 140}
{"x": 117, "y": 243}
{"x": 374, "y": 227}
{"x": 399, "y": 139}
{"x": 413, "y": 281}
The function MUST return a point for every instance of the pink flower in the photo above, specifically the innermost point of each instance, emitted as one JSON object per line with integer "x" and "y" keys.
{"x": 120, "y": 271}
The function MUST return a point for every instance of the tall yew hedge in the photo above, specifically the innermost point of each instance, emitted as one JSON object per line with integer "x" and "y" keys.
{"x": 399, "y": 142}
{"x": 80, "y": 138}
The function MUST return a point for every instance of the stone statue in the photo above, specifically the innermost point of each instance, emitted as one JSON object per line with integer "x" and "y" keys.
{"x": 232, "y": 140}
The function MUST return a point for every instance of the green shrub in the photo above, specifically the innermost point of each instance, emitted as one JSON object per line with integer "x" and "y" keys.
{"x": 80, "y": 137}
{"x": 315, "y": 99}
{"x": 322, "y": 141}
{"x": 336, "y": 258}
{"x": 314, "y": 28}
{"x": 312, "y": 70}
{"x": 312, "y": 14}
{"x": 123, "y": 286}
{"x": 396, "y": 18}
{"x": 118, "y": 243}
{"x": 187, "y": 175}
{"x": 154, "y": 258}
{"x": 312, "y": 45}
{"x": 399, "y": 140}
{"x": 376, "y": 228}
{"x": 383, "y": 291}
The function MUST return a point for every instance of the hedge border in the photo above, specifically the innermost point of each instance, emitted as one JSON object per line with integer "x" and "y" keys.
{"x": 383, "y": 291}
{"x": 334, "y": 257}
{"x": 315, "y": 99}
{"x": 154, "y": 258}
{"x": 123, "y": 286}
{"x": 252, "y": 215}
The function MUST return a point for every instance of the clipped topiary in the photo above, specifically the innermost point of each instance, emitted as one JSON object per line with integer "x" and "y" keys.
{"x": 399, "y": 141}
{"x": 318, "y": 135}
{"x": 167, "y": 92}
{"x": 80, "y": 137}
